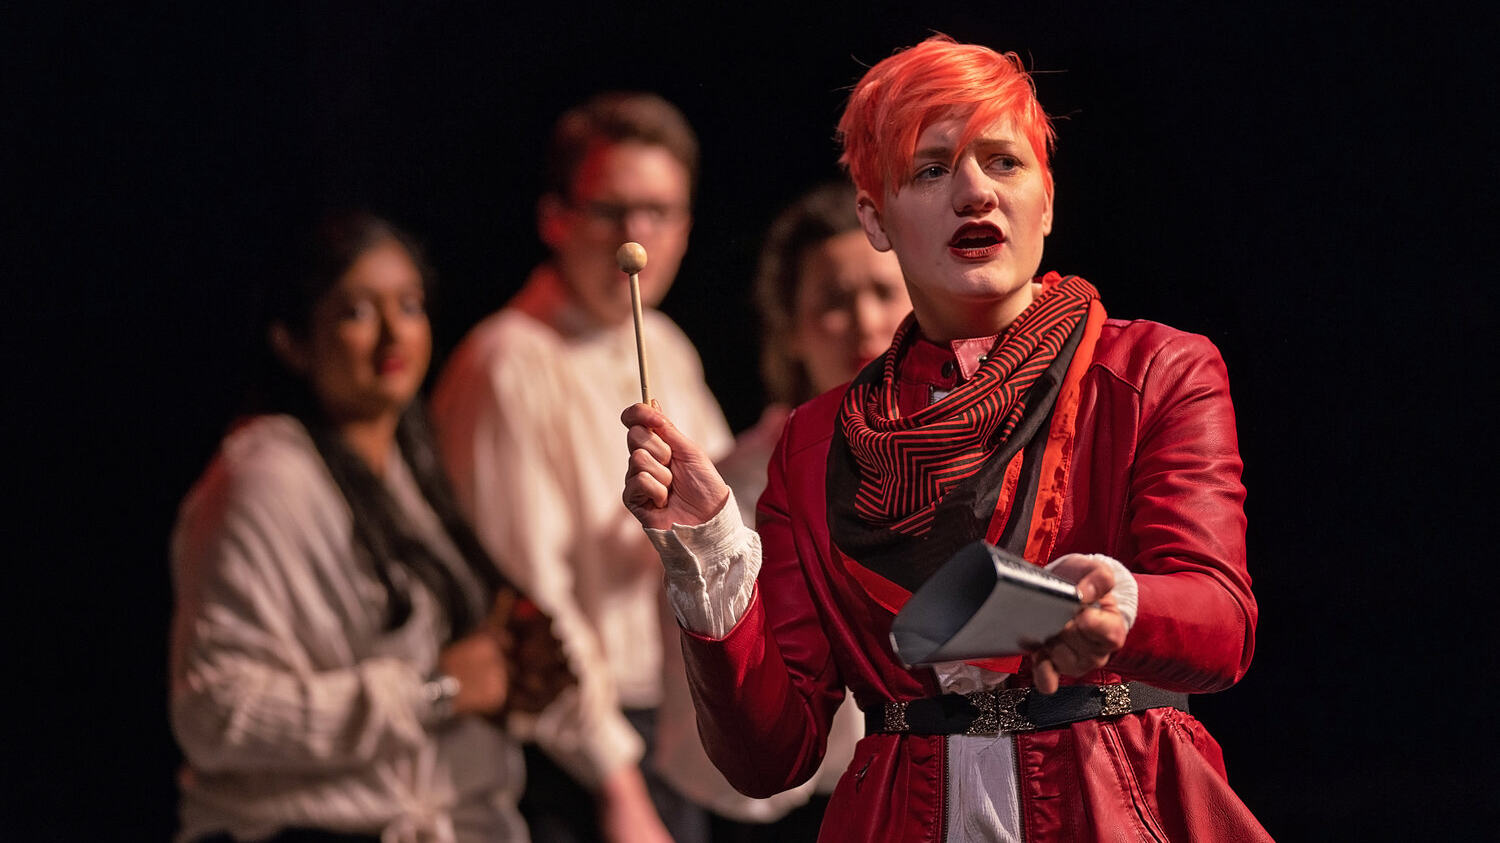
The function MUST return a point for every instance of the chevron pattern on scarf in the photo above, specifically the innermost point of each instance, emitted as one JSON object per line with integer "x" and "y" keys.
{"x": 906, "y": 465}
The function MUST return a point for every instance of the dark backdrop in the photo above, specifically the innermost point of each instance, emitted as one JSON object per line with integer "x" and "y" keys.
{"x": 1309, "y": 187}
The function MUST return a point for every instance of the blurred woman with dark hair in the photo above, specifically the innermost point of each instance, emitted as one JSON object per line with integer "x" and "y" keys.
{"x": 343, "y": 648}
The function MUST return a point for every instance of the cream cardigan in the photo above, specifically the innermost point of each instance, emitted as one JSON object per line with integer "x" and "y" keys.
{"x": 292, "y": 705}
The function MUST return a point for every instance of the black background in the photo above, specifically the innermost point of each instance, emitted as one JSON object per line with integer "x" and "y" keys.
{"x": 1310, "y": 185}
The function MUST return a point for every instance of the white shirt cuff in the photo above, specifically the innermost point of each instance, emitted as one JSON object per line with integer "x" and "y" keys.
{"x": 1127, "y": 593}
{"x": 710, "y": 570}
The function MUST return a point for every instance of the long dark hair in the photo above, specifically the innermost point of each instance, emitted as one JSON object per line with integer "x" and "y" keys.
{"x": 380, "y": 528}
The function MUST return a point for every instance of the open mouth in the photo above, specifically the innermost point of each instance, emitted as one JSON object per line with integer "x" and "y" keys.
{"x": 976, "y": 240}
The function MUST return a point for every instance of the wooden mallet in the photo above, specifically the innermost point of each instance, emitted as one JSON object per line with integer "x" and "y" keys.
{"x": 632, "y": 259}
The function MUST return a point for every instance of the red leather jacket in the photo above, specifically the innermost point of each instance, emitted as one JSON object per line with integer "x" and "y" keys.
{"x": 1154, "y": 483}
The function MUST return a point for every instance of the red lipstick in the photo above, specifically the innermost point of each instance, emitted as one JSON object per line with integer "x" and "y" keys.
{"x": 976, "y": 241}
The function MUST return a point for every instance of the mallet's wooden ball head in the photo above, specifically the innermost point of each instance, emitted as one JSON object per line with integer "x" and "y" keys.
{"x": 631, "y": 257}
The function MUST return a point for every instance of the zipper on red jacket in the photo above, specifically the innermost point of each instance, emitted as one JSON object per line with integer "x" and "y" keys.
{"x": 1015, "y": 763}
{"x": 942, "y": 835}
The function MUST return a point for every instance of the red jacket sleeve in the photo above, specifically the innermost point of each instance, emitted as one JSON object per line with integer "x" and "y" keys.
{"x": 1185, "y": 524}
{"x": 766, "y": 693}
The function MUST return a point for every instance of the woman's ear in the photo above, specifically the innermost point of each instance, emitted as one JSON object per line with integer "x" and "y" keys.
{"x": 1047, "y": 215}
{"x": 869, "y": 220}
{"x": 287, "y": 348}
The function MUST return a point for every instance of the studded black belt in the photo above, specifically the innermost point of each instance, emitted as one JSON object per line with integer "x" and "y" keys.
{"x": 1017, "y": 709}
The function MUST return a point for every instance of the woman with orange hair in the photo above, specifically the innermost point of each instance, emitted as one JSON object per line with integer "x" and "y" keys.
{"x": 1008, "y": 408}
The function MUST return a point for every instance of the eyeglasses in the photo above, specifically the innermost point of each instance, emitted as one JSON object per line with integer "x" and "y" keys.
{"x": 653, "y": 215}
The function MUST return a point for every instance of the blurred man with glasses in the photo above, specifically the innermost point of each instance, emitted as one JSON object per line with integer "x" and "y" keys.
{"x": 527, "y": 412}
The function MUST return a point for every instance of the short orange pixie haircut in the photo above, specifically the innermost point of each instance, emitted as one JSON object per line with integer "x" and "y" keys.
{"x": 936, "y": 80}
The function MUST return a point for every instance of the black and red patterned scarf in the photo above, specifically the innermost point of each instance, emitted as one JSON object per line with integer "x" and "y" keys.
{"x": 989, "y": 460}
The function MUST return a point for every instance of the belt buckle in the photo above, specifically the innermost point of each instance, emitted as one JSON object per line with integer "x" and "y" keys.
{"x": 895, "y": 717}
{"x": 997, "y": 712}
{"x": 1116, "y": 700}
